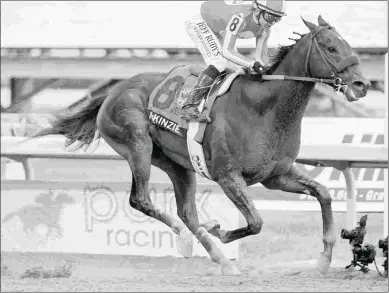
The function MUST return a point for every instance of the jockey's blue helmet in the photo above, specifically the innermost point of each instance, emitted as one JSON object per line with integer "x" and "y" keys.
{"x": 276, "y": 7}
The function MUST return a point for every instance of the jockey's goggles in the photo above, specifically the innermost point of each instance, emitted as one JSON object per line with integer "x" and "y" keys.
{"x": 269, "y": 17}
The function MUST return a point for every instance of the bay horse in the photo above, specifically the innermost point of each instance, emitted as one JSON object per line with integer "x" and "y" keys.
{"x": 254, "y": 137}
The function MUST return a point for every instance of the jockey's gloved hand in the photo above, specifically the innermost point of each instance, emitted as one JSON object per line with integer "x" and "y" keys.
{"x": 259, "y": 68}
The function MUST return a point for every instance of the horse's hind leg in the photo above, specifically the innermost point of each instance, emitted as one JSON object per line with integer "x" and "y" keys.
{"x": 133, "y": 142}
{"x": 297, "y": 182}
{"x": 184, "y": 182}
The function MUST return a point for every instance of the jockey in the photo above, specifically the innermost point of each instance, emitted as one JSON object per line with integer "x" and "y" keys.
{"x": 223, "y": 22}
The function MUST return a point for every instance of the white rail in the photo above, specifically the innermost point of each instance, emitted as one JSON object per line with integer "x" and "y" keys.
{"x": 341, "y": 156}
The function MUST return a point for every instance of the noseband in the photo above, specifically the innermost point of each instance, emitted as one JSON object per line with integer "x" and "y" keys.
{"x": 334, "y": 68}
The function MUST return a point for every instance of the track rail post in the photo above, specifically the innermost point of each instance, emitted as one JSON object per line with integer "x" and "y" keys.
{"x": 386, "y": 188}
{"x": 351, "y": 198}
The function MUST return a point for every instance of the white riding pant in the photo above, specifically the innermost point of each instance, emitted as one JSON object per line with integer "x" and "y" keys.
{"x": 208, "y": 44}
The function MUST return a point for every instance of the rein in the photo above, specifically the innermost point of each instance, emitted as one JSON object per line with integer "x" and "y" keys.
{"x": 336, "y": 82}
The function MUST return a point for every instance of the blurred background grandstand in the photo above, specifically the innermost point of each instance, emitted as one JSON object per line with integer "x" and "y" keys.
{"x": 45, "y": 43}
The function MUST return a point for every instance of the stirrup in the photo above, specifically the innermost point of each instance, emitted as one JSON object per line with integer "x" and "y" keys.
{"x": 196, "y": 116}
{"x": 201, "y": 118}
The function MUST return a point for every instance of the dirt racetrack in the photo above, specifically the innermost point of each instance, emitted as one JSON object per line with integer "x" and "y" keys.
{"x": 281, "y": 258}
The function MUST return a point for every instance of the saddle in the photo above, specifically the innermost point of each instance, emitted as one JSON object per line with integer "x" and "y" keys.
{"x": 170, "y": 95}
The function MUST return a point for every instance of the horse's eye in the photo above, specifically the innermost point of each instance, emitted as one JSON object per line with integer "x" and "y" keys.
{"x": 331, "y": 49}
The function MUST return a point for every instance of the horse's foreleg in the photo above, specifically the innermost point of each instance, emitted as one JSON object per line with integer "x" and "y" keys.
{"x": 235, "y": 188}
{"x": 298, "y": 182}
{"x": 184, "y": 182}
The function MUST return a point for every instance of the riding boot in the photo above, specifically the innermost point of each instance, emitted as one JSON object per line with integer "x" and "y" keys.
{"x": 200, "y": 90}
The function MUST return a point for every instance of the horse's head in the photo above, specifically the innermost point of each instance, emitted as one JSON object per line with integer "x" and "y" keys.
{"x": 63, "y": 199}
{"x": 330, "y": 56}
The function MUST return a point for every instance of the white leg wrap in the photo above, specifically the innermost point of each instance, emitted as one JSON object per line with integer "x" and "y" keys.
{"x": 200, "y": 232}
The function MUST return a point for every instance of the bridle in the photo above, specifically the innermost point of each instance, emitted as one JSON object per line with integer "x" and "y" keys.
{"x": 334, "y": 68}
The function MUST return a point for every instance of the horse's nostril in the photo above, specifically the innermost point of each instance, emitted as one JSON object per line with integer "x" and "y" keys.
{"x": 360, "y": 85}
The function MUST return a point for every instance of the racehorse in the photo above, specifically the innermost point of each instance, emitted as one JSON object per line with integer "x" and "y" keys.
{"x": 254, "y": 137}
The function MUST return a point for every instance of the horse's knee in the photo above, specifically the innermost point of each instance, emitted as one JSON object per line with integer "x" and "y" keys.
{"x": 186, "y": 204}
{"x": 181, "y": 214}
{"x": 185, "y": 216}
{"x": 189, "y": 218}
{"x": 327, "y": 200}
{"x": 324, "y": 195}
{"x": 255, "y": 225}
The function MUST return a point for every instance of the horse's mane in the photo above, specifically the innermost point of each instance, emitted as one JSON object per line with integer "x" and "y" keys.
{"x": 279, "y": 55}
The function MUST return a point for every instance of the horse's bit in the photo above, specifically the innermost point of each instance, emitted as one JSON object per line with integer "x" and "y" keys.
{"x": 333, "y": 68}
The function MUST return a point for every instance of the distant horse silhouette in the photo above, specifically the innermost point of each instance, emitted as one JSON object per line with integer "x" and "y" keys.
{"x": 254, "y": 137}
{"x": 47, "y": 211}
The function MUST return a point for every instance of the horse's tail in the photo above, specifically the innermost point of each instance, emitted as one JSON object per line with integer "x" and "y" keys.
{"x": 79, "y": 125}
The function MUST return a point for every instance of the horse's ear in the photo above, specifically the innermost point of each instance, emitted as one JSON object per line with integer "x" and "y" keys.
{"x": 322, "y": 22}
{"x": 312, "y": 27}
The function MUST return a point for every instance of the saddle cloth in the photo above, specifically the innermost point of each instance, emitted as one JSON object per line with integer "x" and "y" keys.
{"x": 171, "y": 94}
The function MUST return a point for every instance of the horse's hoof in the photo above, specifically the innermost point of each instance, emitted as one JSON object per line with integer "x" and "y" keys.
{"x": 230, "y": 269}
{"x": 323, "y": 264}
{"x": 185, "y": 243}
